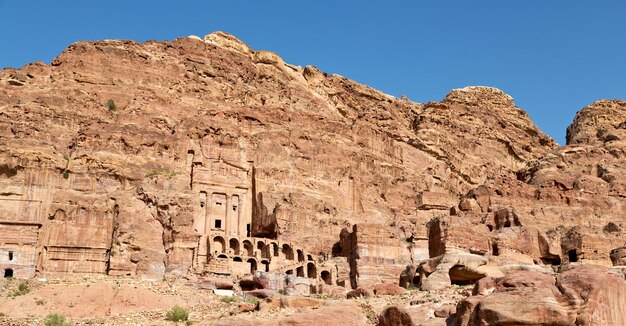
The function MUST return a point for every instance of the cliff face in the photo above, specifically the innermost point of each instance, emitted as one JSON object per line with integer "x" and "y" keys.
{"x": 101, "y": 149}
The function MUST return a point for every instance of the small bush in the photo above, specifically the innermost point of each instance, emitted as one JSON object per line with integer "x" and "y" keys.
{"x": 66, "y": 174}
{"x": 252, "y": 300}
{"x": 177, "y": 314}
{"x": 228, "y": 299}
{"x": 111, "y": 105}
{"x": 56, "y": 320}
{"x": 22, "y": 289}
{"x": 40, "y": 302}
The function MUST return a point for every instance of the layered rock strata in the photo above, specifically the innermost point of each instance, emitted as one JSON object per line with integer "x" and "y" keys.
{"x": 203, "y": 158}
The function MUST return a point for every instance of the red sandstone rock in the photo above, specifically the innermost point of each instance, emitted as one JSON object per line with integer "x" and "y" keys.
{"x": 204, "y": 157}
{"x": 445, "y": 311}
{"x": 460, "y": 268}
{"x": 291, "y": 302}
{"x": 260, "y": 293}
{"x": 359, "y": 292}
{"x": 408, "y": 316}
{"x": 484, "y": 286}
{"x": 135, "y": 144}
{"x": 246, "y": 307}
{"x": 351, "y": 315}
{"x": 583, "y": 295}
{"x": 618, "y": 256}
{"x": 387, "y": 289}
{"x": 394, "y": 316}
{"x": 338, "y": 315}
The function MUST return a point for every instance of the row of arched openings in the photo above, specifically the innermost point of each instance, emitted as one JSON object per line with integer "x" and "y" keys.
{"x": 272, "y": 249}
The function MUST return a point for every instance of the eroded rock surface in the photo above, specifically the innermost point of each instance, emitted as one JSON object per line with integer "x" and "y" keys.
{"x": 204, "y": 160}
{"x": 582, "y": 295}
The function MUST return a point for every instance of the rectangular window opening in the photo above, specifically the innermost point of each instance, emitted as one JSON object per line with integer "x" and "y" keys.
{"x": 10, "y": 255}
{"x": 218, "y": 224}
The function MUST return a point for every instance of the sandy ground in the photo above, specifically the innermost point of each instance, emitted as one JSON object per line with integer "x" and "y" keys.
{"x": 100, "y": 300}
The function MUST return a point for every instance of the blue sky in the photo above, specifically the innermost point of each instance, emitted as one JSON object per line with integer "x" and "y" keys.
{"x": 554, "y": 57}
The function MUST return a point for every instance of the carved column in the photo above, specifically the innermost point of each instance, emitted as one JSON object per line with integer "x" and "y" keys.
{"x": 228, "y": 224}
{"x": 208, "y": 221}
{"x": 200, "y": 217}
{"x": 241, "y": 225}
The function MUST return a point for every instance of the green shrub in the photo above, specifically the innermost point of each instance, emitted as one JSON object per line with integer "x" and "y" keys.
{"x": 56, "y": 320}
{"x": 40, "y": 302}
{"x": 229, "y": 299}
{"x": 22, "y": 289}
{"x": 177, "y": 314}
{"x": 66, "y": 174}
{"x": 252, "y": 300}
{"x": 111, "y": 105}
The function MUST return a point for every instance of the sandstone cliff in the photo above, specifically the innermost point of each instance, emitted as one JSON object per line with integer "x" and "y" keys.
{"x": 101, "y": 149}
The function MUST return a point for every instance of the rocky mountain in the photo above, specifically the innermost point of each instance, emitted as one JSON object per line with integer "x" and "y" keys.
{"x": 119, "y": 158}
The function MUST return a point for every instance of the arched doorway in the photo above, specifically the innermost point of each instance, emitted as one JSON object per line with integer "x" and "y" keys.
{"x": 327, "y": 277}
{"x": 266, "y": 265}
{"x": 300, "y": 255}
{"x": 248, "y": 248}
{"x": 253, "y": 265}
{"x": 219, "y": 245}
{"x": 311, "y": 270}
{"x": 234, "y": 245}
{"x": 300, "y": 271}
{"x": 287, "y": 252}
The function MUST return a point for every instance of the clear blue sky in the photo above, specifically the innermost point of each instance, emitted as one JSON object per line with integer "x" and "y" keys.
{"x": 554, "y": 57}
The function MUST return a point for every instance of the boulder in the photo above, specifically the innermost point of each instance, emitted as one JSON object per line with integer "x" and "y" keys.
{"x": 445, "y": 311}
{"x": 333, "y": 289}
{"x": 484, "y": 286}
{"x": 387, "y": 289}
{"x": 246, "y": 307}
{"x": 359, "y": 292}
{"x": 395, "y": 316}
{"x": 460, "y": 268}
{"x": 409, "y": 316}
{"x": 583, "y": 295}
{"x": 224, "y": 285}
{"x": 618, "y": 256}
